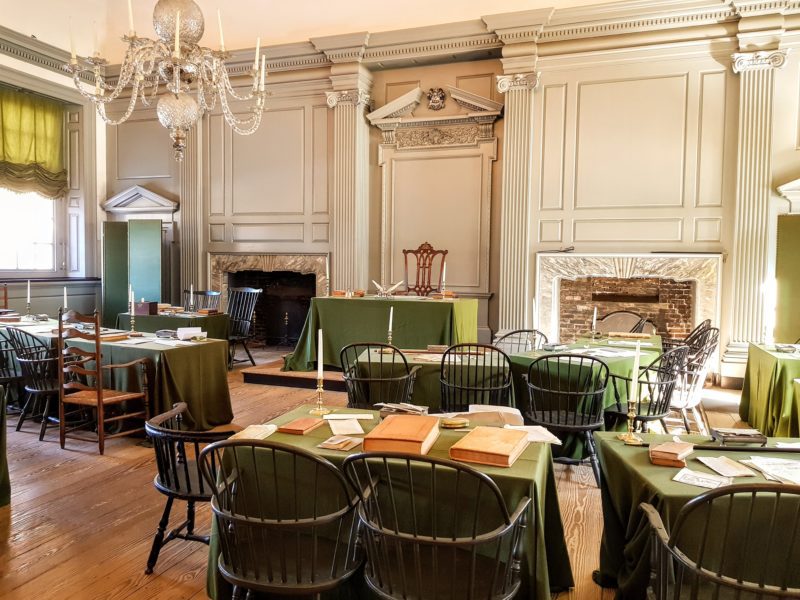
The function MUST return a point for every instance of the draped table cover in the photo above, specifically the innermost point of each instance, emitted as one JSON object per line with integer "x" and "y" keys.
{"x": 216, "y": 326}
{"x": 5, "y": 483}
{"x": 545, "y": 562}
{"x": 417, "y": 323}
{"x": 769, "y": 402}
{"x": 629, "y": 479}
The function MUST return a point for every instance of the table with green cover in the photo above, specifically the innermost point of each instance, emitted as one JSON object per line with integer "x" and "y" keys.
{"x": 418, "y": 322}
{"x": 769, "y": 402}
{"x": 630, "y": 479}
{"x": 216, "y": 326}
{"x": 5, "y": 482}
{"x": 545, "y": 564}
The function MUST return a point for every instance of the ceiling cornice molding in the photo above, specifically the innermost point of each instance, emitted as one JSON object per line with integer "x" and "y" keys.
{"x": 34, "y": 52}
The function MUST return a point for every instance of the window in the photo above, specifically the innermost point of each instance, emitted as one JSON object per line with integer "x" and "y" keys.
{"x": 27, "y": 232}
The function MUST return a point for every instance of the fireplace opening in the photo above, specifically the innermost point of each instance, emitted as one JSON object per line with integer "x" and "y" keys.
{"x": 668, "y": 303}
{"x": 282, "y": 307}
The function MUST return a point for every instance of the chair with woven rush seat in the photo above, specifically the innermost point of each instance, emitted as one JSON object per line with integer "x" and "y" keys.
{"x": 241, "y": 307}
{"x": 425, "y": 259}
{"x": 286, "y": 519}
{"x": 82, "y": 376}
{"x": 656, "y": 384}
{"x": 565, "y": 393}
{"x": 735, "y": 542}
{"x": 376, "y": 373}
{"x": 179, "y": 476}
{"x": 521, "y": 340}
{"x": 474, "y": 374}
{"x": 201, "y": 299}
{"x": 436, "y": 529}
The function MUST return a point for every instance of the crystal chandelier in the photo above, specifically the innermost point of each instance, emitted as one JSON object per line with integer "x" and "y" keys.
{"x": 195, "y": 77}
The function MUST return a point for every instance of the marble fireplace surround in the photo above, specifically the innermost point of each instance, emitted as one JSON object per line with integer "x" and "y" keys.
{"x": 222, "y": 264}
{"x": 703, "y": 269}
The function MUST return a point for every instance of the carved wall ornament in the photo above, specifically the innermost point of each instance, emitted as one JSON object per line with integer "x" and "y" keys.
{"x": 355, "y": 97}
{"x": 436, "y": 98}
{"x": 457, "y": 135}
{"x": 526, "y": 81}
{"x": 763, "y": 59}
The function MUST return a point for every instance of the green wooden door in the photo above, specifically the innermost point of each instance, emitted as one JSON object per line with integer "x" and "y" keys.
{"x": 115, "y": 271}
{"x": 787, "y": 274}
{"x": 144, "y": 258}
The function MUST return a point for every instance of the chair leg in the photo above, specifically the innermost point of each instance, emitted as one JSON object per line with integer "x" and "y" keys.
{"x": 45, "y": 413}
{"x": 593, "y": 457}
{"x": 238, "y": 593}
{"x": 231, "y": 354}
{"x": 190, "y": 517}
{"x": 62, "y": 427}
{"x": 250, "y": 356}
{"x": 24, "y": 413}
{"x": 158, "y": 541}
{"x": 101, "y": 428}
{"x": 685, "y": 416}
{"x": 699, "y": 418}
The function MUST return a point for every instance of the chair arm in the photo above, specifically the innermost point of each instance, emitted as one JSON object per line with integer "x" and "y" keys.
{"x": 655, "y": 521}
{"x": 415, "y": 369}
{"x": 522, "y": 507}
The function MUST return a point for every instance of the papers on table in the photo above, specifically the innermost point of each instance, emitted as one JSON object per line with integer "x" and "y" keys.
{"x": 628, "y": 343}
{"x": 187, "y": 333}
{"x": 340, "y": 442}
{"x": 737, "y": 431}
{"x": 405, "y": 408}
{"x": 255, "y": 432}
{"x": 135, "y": 341}
{"x": 778, "y": 469}
{"x": 703, "y": 480}
{"x": 536, "y": 433}
{"x": 171, "y": 343}
{"x": 434, "y": 358}
{"x": 345, "y": 427}
{"x": 787, "y": 445}
{"x": 725, "y": 466}
{"x": 603, "y": 352}
{"x": 347, "y": 416}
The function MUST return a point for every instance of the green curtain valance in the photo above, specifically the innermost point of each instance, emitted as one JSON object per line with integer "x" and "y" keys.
{"x": 31, "y": 144}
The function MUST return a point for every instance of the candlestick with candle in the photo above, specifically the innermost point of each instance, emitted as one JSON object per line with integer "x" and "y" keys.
{"x": 177, "y": 52}
{"x": 319, "y": 409}
{"x": 444, "y": 277}
{"x": 258, "y": 51}
{"x": 28, "y": 316}
{"x": 191, "y": 297}
{"x": 327, "y": 276}
{"x": 391, "y": 319}
{"x": 629, "y": 437}
{"x": 221, "y": 37}
{"x": 64, "y": 306}
{"x": 594, "y": 324}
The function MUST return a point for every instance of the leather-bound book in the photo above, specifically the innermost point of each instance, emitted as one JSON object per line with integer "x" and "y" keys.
{"x": 490, "y": 446}
{"x": 301, "y": 426}
{"x": 670, "y": 454}
{"x": 414, "y": 434}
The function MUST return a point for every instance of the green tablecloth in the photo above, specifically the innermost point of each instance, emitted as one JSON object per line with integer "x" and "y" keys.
{"x": 629, "y": 479}
{"x": 196, "y": 374}
{"x": 769, "y": 402}
{"x": 622, "y": 366}
{"x": 545, "y": 565}
{"x": 417, "y": 323}
{"x": 5, "y": 482}
{"x": 215, "y": 325}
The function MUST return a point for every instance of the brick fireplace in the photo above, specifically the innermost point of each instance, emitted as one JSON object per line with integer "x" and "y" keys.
{"x": 675, "y": 290}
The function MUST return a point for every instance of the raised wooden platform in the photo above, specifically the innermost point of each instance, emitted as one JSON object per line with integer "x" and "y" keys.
{"x": 271, "y": 374}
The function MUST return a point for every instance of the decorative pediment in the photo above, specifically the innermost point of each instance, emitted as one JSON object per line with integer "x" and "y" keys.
{"x": 473, "y": 102}
{"x": 139, "y": 200}
{"x": 398, "y": 107}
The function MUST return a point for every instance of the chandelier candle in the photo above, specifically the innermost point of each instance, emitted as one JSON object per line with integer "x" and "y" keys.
{"x": 221, "y": 36}
{"x": 131, "y": 30}
{"x": 65, "y": 298}
{"x": 258, "y": 51}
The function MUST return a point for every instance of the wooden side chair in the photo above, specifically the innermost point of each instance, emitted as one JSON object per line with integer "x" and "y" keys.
{"x": 179, "y": 476}
{"x": 10, "y": 372}
{"x": 620, "y": 320}
{"x": 521, "y": 340}
{"x": 201, "y": 299}
{"x": 38, "y": 364}
{"x": 376, "y": 373}
{"x": 241, "y": 309}
{"x": 425, "y": 260}
{"x": 81, "y": 378}
{"x": 474, "y": 374}
{"x": 437, "y": 529}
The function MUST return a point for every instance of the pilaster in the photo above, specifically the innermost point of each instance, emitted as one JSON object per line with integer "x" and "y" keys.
{"x": 191, "y": 216}
{"x": 753, "y": 256}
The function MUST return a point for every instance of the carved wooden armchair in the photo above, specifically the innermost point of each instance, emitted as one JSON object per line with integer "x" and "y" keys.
{"x": 425, "y": 258}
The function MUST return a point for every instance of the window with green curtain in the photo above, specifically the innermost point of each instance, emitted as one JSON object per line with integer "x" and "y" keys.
{"x": 31, "y": 144}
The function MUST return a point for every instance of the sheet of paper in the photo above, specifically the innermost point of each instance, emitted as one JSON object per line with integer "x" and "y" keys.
{"x": 135, "y": 341}
{"x": 783, "y": 469}
{"x": 340, "y": 442}
{"x": 474, "y": 408}
{"x": 628, "y": 343}
{"x": 348, "y": 416}
{"x": 171, "y": 343}
{"x": 737, "y": 431}
{"x": 787, "y": 444}
{"x": 725, "y": 466}
{"x": 345, "y": 427}
{"x": 187, "y": 333}
{"x": 703, "y": 480}
{"x": 255, "y": 432}
{"x": 537, "y": 433}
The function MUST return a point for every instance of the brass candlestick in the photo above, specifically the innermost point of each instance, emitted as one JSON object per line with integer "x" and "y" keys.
{"x": 327, "y": 287}
{"x": 28, "y": 316}
{"x": 389, "y": 337}
{"x": 319, "y": 409}
{"x": 629, "y": 437}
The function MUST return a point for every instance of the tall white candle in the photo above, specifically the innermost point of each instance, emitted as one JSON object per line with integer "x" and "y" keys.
{"x": 328, "y": 268}
{"x": 263, "y": 79}
{"x": 29, "y": 292}
{"x": 319, "y": 353}
{"x": 391, "y": 317}
{"x": 594, "y": 320}
{"x": 191, "y": 290}
{"x": 258, "y": 51}
{"x": 131, "y": 301}
{"x": 221, "y": 37}
{"x": 633, "y": 394}
{"x": 177, "y": 52}
{"x": 130, "y": 18}
{"x": 444, "y": 274}
{"x": 65, "y": 297}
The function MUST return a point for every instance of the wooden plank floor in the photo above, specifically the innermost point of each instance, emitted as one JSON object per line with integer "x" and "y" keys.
{"x": 80, "y": 525}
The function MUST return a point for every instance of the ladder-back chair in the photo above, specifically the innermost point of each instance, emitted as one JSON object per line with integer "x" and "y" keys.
{"x": 425, "y": 259}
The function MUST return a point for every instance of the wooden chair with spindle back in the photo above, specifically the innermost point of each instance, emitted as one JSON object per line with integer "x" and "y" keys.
{"x": 376, "y": 373}
{"x": 241, "y": 309}
{"x": 521, "y": 340}
{"x": 82, "y": 377}
{"x": 474, "y": 374}
{"x": 201, "y": 299}
{"x": 425, "y": 258}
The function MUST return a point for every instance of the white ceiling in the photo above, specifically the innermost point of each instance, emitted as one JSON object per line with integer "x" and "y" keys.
{"x": 275, "y": 21}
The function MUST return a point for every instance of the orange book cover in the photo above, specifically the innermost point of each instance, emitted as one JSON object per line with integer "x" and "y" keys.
{"x": 301, "y": 426}
{"x": 403, "y": 433}
{"x": 490, "y": 446}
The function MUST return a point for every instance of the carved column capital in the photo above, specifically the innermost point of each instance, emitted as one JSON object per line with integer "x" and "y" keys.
{"x": 527, "y": 81}
{"x": 354, "y": 97}
{"x": 762, "y": 59}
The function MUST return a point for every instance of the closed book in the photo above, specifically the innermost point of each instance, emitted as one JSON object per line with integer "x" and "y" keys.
{"x": 490, "y": 446}
{"x": 671, "y": 450}
{"x": 301, "y": 426}
{"x": 667, "y": 462}
{"x": 403, "y": 433}
{"x": 207, "y": 311}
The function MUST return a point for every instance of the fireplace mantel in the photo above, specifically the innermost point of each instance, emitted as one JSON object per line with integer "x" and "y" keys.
{"x": 704, "y": 269}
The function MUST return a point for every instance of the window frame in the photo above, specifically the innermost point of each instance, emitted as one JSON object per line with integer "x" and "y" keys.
{"x": 59, "y": 248}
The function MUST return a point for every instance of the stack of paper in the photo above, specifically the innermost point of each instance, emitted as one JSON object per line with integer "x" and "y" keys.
{"x": 537, "y": 433}
{"x": 778, "y": 469}
{"x": 340, "y": 442}
{"x": 255, "y": 432}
